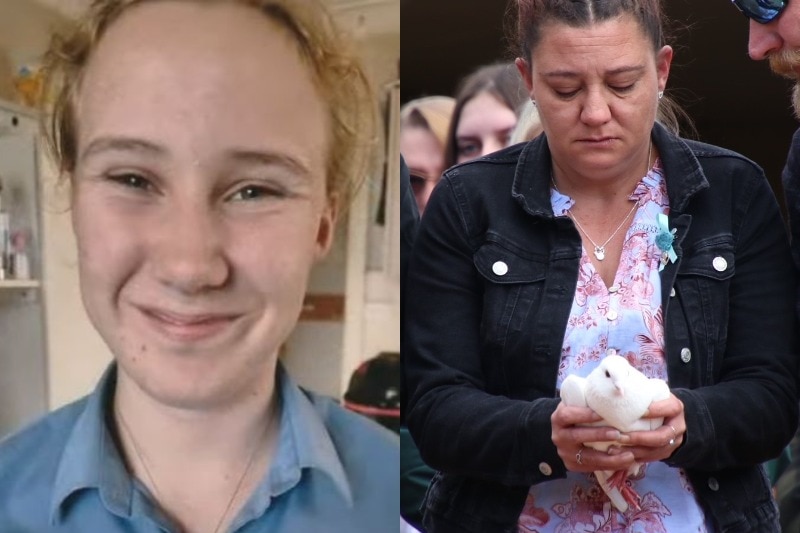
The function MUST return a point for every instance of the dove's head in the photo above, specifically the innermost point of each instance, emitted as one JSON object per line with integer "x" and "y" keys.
{"x": 612, "y": 372}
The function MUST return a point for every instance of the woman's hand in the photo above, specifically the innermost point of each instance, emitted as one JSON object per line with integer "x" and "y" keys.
{"x": 569, "y": 436}
{"x": 661, "y": 443}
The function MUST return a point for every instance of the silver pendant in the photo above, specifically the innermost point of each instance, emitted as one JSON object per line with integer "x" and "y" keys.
{"x": 600, "y": 252}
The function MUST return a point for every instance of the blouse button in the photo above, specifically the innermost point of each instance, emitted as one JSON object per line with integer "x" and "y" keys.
{"x": 611, "y": 351}
{"x": 545, "y": 469}
{"x": 713, "y": 484}
{"x": 686, "y": 355}
{"x": 500, "y": 268}
{"x": 612, "y": 315}
{"x": 613, "y": 288}
{"x": 719, "y": 264}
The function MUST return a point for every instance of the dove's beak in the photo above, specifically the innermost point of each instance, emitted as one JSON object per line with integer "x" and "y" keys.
{"x": 619, "y": 389}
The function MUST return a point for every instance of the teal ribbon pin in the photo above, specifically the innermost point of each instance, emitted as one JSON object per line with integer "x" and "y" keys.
{"x": 664, "y": 240}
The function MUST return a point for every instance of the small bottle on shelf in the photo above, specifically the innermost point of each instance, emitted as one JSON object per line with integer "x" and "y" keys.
{"x": 20, "y": 266}
{"x": 5, "y": 239}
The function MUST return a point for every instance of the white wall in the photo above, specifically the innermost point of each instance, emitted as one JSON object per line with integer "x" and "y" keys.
{"x": 25, "y": 29}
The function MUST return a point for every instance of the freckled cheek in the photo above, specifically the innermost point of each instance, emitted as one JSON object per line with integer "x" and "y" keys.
{"x": 108, "y": 250}
{"x": 274, "y": 257}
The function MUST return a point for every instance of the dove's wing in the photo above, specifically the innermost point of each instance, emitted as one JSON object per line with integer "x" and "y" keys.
{"x": 573, "y": 391}
{"x": 660, "y": 391}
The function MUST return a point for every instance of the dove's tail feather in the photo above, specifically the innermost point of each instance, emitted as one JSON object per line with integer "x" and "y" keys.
{"x": 613, "y": 493}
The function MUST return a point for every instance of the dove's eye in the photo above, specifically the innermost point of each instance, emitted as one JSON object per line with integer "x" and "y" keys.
{"x": 608, "y": 375}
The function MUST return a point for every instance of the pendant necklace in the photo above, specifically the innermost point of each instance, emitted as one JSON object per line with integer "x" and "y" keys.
{"x": 152, "y": 481}
{"x": 600, "y": 249}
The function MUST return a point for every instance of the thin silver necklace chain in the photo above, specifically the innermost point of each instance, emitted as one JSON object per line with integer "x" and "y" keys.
{"x": 152, "y": 480}
{"x": 600, "y": 249}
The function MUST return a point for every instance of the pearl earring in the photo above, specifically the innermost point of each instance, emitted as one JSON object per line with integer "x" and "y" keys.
{"x": 660, "y": 95}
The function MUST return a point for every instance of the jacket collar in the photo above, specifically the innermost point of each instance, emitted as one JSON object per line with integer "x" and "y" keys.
{"x": 682, "y": 171}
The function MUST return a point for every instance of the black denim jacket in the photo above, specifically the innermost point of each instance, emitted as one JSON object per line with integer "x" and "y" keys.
{"x": 481, "y": 350}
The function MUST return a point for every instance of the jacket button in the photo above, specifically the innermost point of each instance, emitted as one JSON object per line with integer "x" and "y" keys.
{"x": 672, "y": 292}
{"x": 713, "y": 484}
{"x": 686, "y": 355}
{"x": 500, "y": 268}
{"x": 545, "y": 469}
{"x": 719, "y": 264}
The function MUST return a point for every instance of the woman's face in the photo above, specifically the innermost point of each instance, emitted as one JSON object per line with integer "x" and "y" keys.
{"x": 596, "y": 90}
{"x": 424, "y": 156}
{"x": 484, "y": 126}
{"x": 199, "y": 199}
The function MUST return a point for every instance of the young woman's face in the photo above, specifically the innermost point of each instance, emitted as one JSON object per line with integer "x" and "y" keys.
{"x": 199, "y": 199}
{"x": 596, "y": 90}
{"x": 424, "y": 156}
{"x": 484, "y": 126}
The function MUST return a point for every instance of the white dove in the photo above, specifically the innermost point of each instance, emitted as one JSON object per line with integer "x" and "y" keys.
{"x": 621, "y": 395}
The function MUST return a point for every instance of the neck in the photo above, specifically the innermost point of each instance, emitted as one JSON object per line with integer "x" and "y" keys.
{"x": 199, "y": 464}
{"x": 188, "y": 433}
{"x": 602, "y": 187}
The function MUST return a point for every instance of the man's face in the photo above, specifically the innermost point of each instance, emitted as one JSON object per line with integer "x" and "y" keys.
{"x": 199, "y": 199}
{"x": 779, "y": 41}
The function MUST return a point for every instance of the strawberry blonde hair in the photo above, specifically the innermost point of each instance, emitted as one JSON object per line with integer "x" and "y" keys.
{"x": 336, "y": 72}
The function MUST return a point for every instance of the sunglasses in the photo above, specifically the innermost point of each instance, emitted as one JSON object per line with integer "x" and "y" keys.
{"x": 761, "y": 11}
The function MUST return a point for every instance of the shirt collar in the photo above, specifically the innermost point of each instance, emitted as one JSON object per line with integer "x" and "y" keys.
{"x": 91, "y": 458}
{"x": 304, "y": 442}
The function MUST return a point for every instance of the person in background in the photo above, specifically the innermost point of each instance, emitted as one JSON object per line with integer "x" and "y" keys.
{"x": 415, "y": 475}
{"x": 485, "y": 114}
{"x": 208, "y": 147}
{"x": 529, "y": 125}
{"x": 374, "y": 390}
{"x": 424, "y": 123}
{"x": 775, "y": 36}
{"x": 607, "y": 235}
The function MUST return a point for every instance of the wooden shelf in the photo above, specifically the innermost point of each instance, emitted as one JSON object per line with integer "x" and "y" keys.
{"x": 19, "y": 284}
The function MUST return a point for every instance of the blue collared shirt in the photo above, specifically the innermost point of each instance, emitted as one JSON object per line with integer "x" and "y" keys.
{"x": 333, "y": 471}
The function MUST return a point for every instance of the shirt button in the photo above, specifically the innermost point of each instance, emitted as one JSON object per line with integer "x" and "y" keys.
{"x": 611, "y": 351}
{"x": 500, "y": 268}
{"x": 713, "y": 484}
{"x": 612, "y": 315}
{"x": 545, "y": 469}
{"x": 686, "y": 355}
{"x": 672, "y": 292}
{"x": 719, "y": 264}
{"x": 613, "y": 288}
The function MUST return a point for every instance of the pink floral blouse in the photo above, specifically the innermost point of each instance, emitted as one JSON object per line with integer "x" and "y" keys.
{"x": 626, "y": 319}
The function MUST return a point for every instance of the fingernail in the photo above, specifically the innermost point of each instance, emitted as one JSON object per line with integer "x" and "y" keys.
{"x": 613, "y": 435}
{"x": 624, "y": 439}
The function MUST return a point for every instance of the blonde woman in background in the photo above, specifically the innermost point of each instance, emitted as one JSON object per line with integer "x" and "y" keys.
{"x": 424, "y": 123}
{"x": 209, "y": 146}
{"x": 528, "y": 125}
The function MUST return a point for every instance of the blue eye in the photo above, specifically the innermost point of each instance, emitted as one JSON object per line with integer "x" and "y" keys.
{"x": 131, "y": 180}
{"x": 256, "y": 192}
